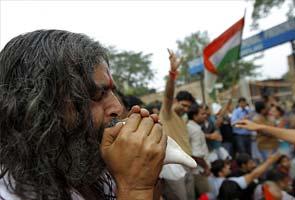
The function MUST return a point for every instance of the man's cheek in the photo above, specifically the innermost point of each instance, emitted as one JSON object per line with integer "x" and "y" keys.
{"x": 97, "y": 118}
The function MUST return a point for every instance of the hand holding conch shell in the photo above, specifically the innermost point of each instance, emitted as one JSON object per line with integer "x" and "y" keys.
{"x": 134, "y": 152}
{"x": 175, "y": 155}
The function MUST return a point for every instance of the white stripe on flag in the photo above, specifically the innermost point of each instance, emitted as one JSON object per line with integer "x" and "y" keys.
{"x": 210, "y": 80}
{"x": 234, "y": 41}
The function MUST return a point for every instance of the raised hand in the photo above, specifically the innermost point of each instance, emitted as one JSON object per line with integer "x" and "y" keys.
{"x": 272, "y": 158}
{"x": 246, "y": 124}
{"x": 174, "y": 61}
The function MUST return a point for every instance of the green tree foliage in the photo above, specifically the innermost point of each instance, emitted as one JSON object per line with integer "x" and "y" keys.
{"x": 234, "y": 71}
{"x": 262, "y": 9}
{"x": 286, "y": 76}
{"x": 189, "y": 48}
{"x": 131, "y": 71}
{"x": 192, "y": 47}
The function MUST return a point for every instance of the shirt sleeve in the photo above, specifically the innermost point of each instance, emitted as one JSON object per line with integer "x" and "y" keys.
{"x": 240, "y": 181}
{"x": 234, "y": 117}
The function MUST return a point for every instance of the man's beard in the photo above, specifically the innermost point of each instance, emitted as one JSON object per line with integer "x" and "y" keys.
{"x": 109, "y": 124}
{"x": 87, "y": 164}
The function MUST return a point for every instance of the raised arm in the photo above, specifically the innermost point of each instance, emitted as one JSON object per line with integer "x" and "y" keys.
{"x": 170, "y": 85}
{"x": 280, "y": 133}
{"x": 225, "y": 108}
{"x": 258, "y": 171}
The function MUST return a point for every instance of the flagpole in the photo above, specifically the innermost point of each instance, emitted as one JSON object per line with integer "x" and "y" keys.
{"x": 236, "y": 63}
{"x": 202, "y": 87}
{"x": 234, "y": 80}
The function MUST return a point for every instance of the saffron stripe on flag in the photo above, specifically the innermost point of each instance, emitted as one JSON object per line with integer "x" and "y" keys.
{"x": 223, "y": 38}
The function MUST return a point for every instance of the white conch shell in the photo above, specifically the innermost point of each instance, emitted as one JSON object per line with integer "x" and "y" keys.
{"x": 175, "y": 155}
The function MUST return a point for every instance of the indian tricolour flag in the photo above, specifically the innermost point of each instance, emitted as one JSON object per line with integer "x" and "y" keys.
{"x": 220, "y": 52}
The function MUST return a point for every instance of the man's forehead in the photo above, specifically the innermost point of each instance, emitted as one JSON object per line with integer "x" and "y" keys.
{"x": 101, "y": 67}
{"x": 102, "y": 75}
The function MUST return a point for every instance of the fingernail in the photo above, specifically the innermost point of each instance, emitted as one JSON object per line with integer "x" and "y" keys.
{"x": 120, "y": 123}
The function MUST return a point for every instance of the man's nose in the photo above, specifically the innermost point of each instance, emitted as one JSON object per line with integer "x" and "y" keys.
{"x": 114, "y": 108}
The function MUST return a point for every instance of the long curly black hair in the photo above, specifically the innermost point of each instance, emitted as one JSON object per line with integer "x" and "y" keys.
{"x": 49, "y": 146}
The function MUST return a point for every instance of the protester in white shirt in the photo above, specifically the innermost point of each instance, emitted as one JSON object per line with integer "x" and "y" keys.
{"x": 200, "y": 152}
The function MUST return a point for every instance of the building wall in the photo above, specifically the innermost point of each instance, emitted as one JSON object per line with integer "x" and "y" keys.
{"x": 257, "y": 89}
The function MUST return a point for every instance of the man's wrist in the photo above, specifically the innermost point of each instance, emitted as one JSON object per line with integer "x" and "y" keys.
{"x": 270, "y": 162}
{"x": 173, "y": 74}
{"x": 260, "y": 127}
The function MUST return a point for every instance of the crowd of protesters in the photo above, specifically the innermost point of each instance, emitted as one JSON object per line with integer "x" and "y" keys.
{"x": 233, "y": 162}
{"x": 239, "y": 163}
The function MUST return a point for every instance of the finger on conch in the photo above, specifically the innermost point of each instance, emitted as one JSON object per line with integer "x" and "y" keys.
{"x": 155, "y": 117}
{"x": 134, "y": 109}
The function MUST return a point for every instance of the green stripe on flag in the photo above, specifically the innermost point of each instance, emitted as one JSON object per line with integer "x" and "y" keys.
{"x": 231, "y": 56}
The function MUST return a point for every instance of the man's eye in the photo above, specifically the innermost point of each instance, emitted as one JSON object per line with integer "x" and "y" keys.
{"x": 99, "y": 95}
